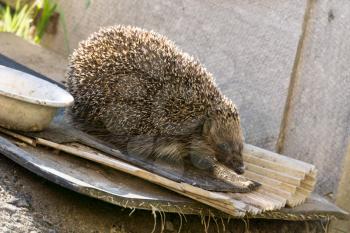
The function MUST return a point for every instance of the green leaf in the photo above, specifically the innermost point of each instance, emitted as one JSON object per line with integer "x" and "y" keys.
{"x": 47, "y": 9}
{"x": 20, "y": 19}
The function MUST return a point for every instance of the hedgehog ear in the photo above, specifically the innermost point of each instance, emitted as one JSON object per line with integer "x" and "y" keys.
{"x": 206, "y": 126}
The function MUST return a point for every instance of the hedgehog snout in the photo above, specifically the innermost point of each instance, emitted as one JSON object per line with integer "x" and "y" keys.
{"x": 240, "y": 170}
{"x": 232, "y": 161}
{"x": 237, "y": 166}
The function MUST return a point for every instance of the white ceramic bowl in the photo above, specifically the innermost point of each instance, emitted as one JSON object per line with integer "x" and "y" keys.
{"x": 28, "y": 103}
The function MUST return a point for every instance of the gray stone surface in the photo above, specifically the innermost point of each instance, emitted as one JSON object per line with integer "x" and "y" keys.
{"x": 318, "y": 128}
{"x": 249, "y": 46}
{"x": 24, "y": 52}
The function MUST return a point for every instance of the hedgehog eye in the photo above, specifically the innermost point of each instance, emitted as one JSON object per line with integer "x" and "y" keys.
{"x": 223, "y": 146}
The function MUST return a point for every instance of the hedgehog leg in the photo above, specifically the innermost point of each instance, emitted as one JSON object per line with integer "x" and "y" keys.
{"x": 141, "y": 146}
{"x": 201, "y": 155}
{"x": 169, "y": 148}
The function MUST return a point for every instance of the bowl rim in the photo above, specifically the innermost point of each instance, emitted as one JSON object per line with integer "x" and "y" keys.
{"x": 45, "y": 102}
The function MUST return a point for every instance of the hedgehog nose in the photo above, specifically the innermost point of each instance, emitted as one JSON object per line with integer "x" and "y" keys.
{"x": 240, "y": 170}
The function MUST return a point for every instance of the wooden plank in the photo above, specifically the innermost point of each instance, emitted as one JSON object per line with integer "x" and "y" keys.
{"x": 283, "y": 194}
{"x": 271, "y": 182}
{"x": 296, "y": 200}
{"x": 310, "y": 180}
{"x": 274, "y": 157}
{"x": 27, "y": 140}
{"x": 304, "y": 191}
{"x": 256, "y": 199}
{"x": 273, "y": 174}
{"x": 261, "y": 199}
{"x": 269, "y": 203}
{"x": 272, "y": 196}
{"x": 226, "y": 205}
{"x": 273, "y": 166}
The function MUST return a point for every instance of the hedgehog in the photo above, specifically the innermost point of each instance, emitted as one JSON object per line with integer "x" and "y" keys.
{"x": 141, "y": 93}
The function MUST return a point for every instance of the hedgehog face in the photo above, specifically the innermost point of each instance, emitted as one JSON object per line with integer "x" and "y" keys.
{"x": 225, "y": 137}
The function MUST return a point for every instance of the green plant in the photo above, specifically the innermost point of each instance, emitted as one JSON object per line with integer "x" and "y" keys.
{"x": 27, "y": 21}
{"x": 31, "y": 21}
{"x": 44, "y": 9}
{"x": 19, "y": 21}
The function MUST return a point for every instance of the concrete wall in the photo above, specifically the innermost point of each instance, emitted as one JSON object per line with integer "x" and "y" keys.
{"x": 318, "y": 125}
{"x": 284, "y": 63}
